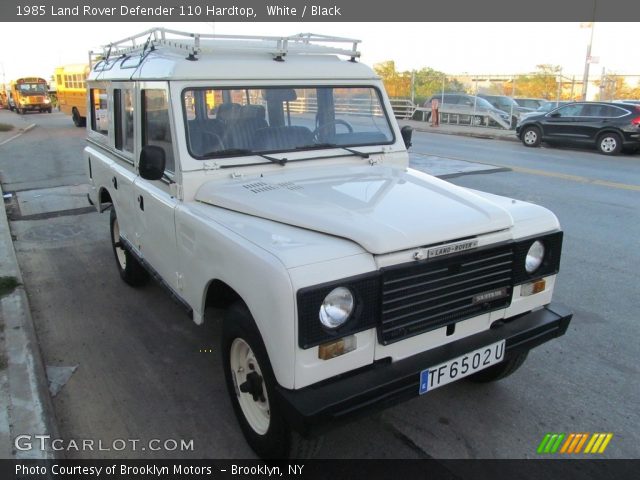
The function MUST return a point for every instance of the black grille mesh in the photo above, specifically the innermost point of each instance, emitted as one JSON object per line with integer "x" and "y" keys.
{"x": 428, "y": 295}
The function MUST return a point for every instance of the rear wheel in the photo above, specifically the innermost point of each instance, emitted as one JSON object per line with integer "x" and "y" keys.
{"x": 531, "y": 136}
{"x": 251, "y": 386}
{"x": 609, "y": 143}
{"x": 502, "y": 370}
{"x": 128, "y": 266}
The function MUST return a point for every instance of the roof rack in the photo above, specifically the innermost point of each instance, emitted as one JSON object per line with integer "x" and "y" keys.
{"x": 193, "y": 44}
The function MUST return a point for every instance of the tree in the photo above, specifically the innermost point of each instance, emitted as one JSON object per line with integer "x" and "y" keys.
{"x": 543, "y": 83}
{"x": 615, "y": 87}
{"x": 396, "y": 84}
{"x": 427, "y": 81}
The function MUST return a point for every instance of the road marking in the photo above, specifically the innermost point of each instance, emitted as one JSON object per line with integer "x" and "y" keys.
{"x": 562, "y": 176}
{"x": 17, "y": 135}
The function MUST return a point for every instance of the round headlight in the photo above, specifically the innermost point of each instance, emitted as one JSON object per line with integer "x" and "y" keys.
{"x": 336, "y": 307}
{"x": 535, "y": 255}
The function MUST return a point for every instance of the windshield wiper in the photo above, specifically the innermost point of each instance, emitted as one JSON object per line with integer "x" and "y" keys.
{"x": 335, "y": 145}
{"x": 245, "y": 151}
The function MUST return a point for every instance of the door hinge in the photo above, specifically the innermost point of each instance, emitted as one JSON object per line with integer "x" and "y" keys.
{"x": 207, "y": 165}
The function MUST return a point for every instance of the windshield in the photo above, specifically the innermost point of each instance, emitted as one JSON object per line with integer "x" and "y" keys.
{"x": 32, "y": 88}
{"x": 227, "y": 122}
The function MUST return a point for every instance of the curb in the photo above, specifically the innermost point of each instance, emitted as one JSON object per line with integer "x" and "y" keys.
{"x": 487, "y": 136}
{"x": 25, "y": 393}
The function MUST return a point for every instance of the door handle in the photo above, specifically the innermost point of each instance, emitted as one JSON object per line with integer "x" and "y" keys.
{"x": 114, "y": 180}
{"x": 141, "y": 202}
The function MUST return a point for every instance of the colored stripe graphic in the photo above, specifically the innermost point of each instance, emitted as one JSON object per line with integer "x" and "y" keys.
{"x": 550, "y": 443}
{"x": 598, "y": 443}
{"x": 573, "y": 443}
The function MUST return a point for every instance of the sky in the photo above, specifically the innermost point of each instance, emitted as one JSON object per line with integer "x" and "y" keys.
{"x": 454, "y": 48}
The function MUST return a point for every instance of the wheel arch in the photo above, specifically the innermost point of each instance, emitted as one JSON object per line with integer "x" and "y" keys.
{"x": 609, "y": 130}
{"x": 218, "y": 294}
{"x": 104, "y": 199}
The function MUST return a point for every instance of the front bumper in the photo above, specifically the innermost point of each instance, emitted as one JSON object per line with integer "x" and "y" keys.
{"x": 383, "y": 384}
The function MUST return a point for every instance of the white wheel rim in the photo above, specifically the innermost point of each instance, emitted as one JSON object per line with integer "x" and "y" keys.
{"x": 530, "y": 137}
{"x": 608, "y": 144}
{"x": 242, "y": 362}
{"x": 120, "y": 253}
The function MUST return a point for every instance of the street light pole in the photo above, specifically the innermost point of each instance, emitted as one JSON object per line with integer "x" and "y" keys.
{"x": 587, "y": 60}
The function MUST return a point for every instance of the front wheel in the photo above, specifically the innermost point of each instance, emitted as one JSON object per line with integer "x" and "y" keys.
{"x": 531, "y": 136}
{"x": 502, "y": 370}
{"x": 610, "y": 143}
{"x": 128, "y": 266}
{"x": 251, "y": 386}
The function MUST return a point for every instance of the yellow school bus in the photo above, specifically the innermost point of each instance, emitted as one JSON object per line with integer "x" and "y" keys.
{"x": 30, "y": 93}
{"x": 72, "y": 92}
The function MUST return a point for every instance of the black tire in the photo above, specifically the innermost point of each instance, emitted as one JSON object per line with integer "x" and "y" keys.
{"x": 49, "y": 110}
{"x": 501, "y": 370}
{"x": 531, "y": 136}
{"x": 609, "y": 143}
{"x": 128, "y": 266}
{"x": 278, "y": 440}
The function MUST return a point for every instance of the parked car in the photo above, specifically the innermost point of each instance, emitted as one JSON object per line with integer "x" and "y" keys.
{"x": 471, "y": 109}
{"x": 532, "y": 103}
{"x": 507, "y": 104}
{"x": 610, "y": 127}
{"x": 547, "y": 107}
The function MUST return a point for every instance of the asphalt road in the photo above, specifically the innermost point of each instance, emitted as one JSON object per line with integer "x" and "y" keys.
{"x": 141, "y": 372}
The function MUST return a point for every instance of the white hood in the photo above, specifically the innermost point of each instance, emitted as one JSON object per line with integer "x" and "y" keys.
{"x": 383, "y": 209}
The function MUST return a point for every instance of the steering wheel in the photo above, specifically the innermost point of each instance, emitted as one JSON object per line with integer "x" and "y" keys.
{"x": 321, "y": 129}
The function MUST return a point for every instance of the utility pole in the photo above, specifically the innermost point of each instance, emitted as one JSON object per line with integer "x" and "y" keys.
{"x": 587, "y": 60}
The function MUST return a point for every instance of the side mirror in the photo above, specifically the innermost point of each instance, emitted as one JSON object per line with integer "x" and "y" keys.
{"x": 152, "y": 162}
{"x": 406, "y": 133}
{"x": 555, "y": 115}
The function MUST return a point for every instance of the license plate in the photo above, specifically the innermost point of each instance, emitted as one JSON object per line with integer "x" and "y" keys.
{"x": 461, "y": 367}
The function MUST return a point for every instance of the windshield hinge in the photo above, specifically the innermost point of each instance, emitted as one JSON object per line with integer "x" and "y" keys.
{"x": 176, "y": 191}
{"x": 237, "y": 175}
{"x": 373, "y": 161}
{"x": 210, "y": 165}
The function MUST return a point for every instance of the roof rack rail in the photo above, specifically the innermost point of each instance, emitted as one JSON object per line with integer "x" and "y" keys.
{"x": 193, "y": 44}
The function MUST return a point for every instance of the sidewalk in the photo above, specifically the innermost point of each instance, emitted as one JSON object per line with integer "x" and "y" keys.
{"x": 25, "y": 403}
{"x": 464, "y": 130}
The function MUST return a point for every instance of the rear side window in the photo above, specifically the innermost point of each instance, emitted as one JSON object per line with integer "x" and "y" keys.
{"x": 156, "y": 128}
{"x": 123, "y": 116}
{"x": 99, "y": 111}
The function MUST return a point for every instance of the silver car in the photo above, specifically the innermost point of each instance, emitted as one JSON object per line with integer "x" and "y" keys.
{"x": 468, "y": 109}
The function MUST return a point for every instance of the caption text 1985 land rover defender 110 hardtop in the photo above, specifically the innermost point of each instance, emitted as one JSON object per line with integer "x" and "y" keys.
{"x": 268, "y": 176}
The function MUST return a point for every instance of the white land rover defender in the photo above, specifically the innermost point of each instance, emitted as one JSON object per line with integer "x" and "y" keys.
{"x": 268, "y": 176}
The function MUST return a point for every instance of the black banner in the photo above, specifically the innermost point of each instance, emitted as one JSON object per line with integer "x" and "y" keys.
{"x": 320, "y": 469}
{"x": 317, "y": 10}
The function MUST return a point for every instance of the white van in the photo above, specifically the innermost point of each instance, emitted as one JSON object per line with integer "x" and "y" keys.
{"x": 268, "y": 177}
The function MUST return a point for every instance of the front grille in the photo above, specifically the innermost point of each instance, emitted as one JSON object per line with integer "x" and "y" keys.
{"x": 420, "y": 297}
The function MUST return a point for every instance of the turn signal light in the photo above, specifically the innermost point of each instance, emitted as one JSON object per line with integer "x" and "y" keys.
{"x": 533, "y": 287}
{"x": 333, "y": 349}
